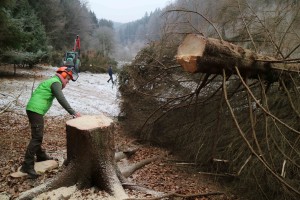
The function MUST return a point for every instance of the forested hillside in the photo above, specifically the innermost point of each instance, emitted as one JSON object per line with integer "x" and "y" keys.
{"x": 46, "y": 29}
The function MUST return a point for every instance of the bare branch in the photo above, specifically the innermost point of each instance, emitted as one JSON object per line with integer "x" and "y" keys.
{"x": 195, "y": 12}
{"x": 241, "y": 133}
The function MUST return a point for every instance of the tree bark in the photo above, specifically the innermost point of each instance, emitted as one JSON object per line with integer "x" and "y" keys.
{"x": 208, "y": 55}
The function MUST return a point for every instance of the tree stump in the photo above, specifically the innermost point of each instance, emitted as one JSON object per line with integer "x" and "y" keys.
{"x": 90, "y": 158}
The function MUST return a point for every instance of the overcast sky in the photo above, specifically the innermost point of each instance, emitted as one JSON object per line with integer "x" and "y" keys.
{"x": 125, "y": 10}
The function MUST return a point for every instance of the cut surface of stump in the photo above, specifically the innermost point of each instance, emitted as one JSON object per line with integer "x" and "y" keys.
{"x": 90, "y": 122}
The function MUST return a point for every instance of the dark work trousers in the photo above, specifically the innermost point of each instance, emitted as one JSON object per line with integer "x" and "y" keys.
{"x": 110, "y": 78}
{"x": 34, "y": 147}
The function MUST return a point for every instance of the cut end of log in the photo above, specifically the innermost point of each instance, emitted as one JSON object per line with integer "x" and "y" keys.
{"x": 89, "y": 122}
{"x": 191, "y": 48}
{"x": 189, "y": 63}
{"x": 198, "y": 54}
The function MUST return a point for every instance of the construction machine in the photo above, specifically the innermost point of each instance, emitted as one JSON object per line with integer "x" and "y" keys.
{"x": 72, "y": 58}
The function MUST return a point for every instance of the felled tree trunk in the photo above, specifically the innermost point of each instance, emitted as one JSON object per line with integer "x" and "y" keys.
{"x": 90, "y": 158}
{"x": 208, "y": 55}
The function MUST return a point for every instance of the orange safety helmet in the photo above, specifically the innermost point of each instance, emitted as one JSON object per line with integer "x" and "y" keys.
{"x": 64, "y": 71}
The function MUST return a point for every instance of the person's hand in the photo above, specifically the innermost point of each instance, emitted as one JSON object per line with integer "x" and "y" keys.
{"x": 77, "y": 115}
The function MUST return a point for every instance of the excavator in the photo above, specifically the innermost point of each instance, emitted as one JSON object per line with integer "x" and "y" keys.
{"x": 72, "y": 58}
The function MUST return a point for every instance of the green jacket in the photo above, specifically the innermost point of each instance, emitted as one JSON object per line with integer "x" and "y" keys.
{"x": 42, "y": 98}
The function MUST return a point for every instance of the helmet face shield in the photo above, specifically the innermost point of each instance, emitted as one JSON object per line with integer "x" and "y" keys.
{"x": 73, "y": 74}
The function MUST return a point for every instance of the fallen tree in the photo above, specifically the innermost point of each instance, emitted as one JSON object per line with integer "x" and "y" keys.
{"x": 208, "y": 55}
{"x": 266, "y": 118}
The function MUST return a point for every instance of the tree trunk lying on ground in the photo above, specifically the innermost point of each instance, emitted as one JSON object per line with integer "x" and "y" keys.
{"x": 90, "y": 159}
{"x": 208, "y": 55}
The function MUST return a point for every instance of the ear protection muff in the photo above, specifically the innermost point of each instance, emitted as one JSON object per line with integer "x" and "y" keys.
{"x": 64, "y": 75}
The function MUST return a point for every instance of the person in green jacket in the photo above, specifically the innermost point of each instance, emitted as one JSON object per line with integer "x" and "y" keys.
{"x": 38, "y": 105}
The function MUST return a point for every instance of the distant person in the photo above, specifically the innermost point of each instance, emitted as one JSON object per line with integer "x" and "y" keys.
{"x": 110, "y": 73}
{"x": 77, "y": 44}
{"x": 38, "y": 105}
